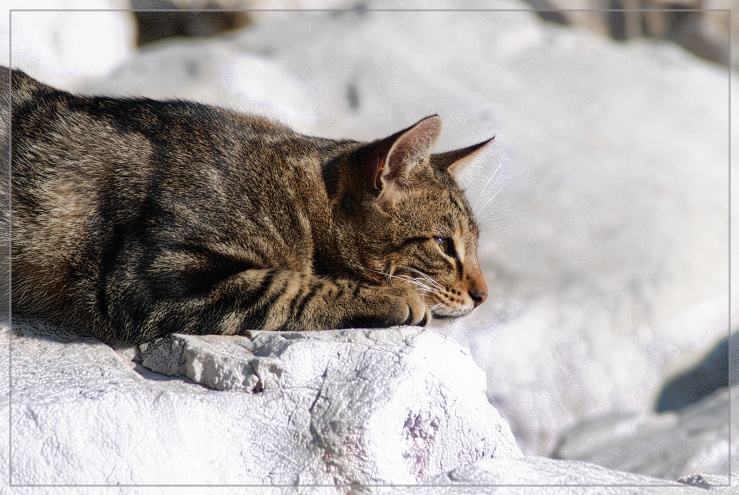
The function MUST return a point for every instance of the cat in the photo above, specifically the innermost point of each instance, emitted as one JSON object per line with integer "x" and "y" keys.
{"x": 134, "y": 218}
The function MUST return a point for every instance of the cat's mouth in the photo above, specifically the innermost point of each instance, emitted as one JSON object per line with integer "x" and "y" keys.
{"x": 441, "y": 301}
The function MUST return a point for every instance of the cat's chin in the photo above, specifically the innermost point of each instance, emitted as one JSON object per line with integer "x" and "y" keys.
{"x": 451, "y": 314}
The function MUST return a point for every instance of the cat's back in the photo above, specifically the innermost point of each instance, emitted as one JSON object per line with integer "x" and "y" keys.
{"x": 84, "y": 147}
{"x": 43, "y": 114}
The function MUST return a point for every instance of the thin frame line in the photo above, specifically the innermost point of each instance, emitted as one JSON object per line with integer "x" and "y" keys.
{"x": 361, "y": 10}
{"x": 729, "y": 349}
{"x": 349, "y": 10}
{"x": 452, "y": 486}
{"x": 10, "y": 251}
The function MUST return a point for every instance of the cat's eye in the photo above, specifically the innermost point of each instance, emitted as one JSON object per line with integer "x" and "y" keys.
{"x": 446, "y": 245}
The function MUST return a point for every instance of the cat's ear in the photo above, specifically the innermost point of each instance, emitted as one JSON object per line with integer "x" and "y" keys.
{"x": 454, "y": 161}
{"x": 391, "y": 161}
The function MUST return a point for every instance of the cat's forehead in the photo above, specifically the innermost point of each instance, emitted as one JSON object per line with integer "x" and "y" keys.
{"x": 450, "y": 209}
{"x": 463, "y": 216}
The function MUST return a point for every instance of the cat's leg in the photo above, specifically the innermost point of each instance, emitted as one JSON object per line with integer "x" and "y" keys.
{"x": 260, "y": 299}
{"x": 297, "y": 301}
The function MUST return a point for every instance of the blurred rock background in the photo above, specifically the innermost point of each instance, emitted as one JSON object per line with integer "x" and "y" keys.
{"x": 692, "y": 24}
{"x": 696, "y": 25}
{"x": 603, "y": 204}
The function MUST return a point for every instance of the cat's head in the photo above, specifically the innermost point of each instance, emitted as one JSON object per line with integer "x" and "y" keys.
{"x": 409, "y": 220}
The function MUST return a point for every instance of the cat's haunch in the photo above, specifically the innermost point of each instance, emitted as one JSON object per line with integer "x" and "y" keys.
{"x": 134, "y": 218}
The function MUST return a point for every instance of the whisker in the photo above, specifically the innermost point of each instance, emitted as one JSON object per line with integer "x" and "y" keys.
{"x": 425, "y": 277}
{"x": 411, "y": 280}
{"x": 491, "y": 198}
{"x": 415, "y": 282}
{"x": 487, "y": 183}
{"x": 384, "y": 274}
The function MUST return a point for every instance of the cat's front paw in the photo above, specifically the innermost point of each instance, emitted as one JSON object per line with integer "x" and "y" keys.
{"x": 386, "y": 306}
{"x": 407, "y": 307}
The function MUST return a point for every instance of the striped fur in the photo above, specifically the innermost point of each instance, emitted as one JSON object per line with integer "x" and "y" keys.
{"x": 134, "y": 218}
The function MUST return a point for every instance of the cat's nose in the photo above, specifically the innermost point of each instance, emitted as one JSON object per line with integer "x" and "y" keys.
{"x": 478, "y": 296}
{"x": 477, "y": 288}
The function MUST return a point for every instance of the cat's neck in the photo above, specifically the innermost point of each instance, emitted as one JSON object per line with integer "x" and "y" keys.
{"x": 335, "y": 248}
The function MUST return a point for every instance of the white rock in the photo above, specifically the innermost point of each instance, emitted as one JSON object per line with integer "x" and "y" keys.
{"x": 321, "y": 407}
{"x": 62, "y": 47}
{"x": 718, "y": 483}
{"x": 562, "y": 478}
{"x": 540, "y": 470}
{"x": 668, "y": 445}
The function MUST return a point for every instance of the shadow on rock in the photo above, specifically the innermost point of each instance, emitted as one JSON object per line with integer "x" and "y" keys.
{"x": 707, "y": 376}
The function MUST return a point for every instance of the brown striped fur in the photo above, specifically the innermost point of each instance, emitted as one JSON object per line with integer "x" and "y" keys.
{"x": 134, "y": 218}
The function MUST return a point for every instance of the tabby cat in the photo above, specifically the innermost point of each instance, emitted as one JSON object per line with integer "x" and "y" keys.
{"x": 134, "y": 218}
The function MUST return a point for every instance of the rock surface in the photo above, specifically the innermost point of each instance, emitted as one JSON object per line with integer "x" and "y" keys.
{"x": 370, "y": 407}
{"x": 383, "y": 404}
{"x": 84, "y": 413}
{"x": 557, "y": 477}
{"x": 530, "y": 471}
{"x": 668, "y": 445}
